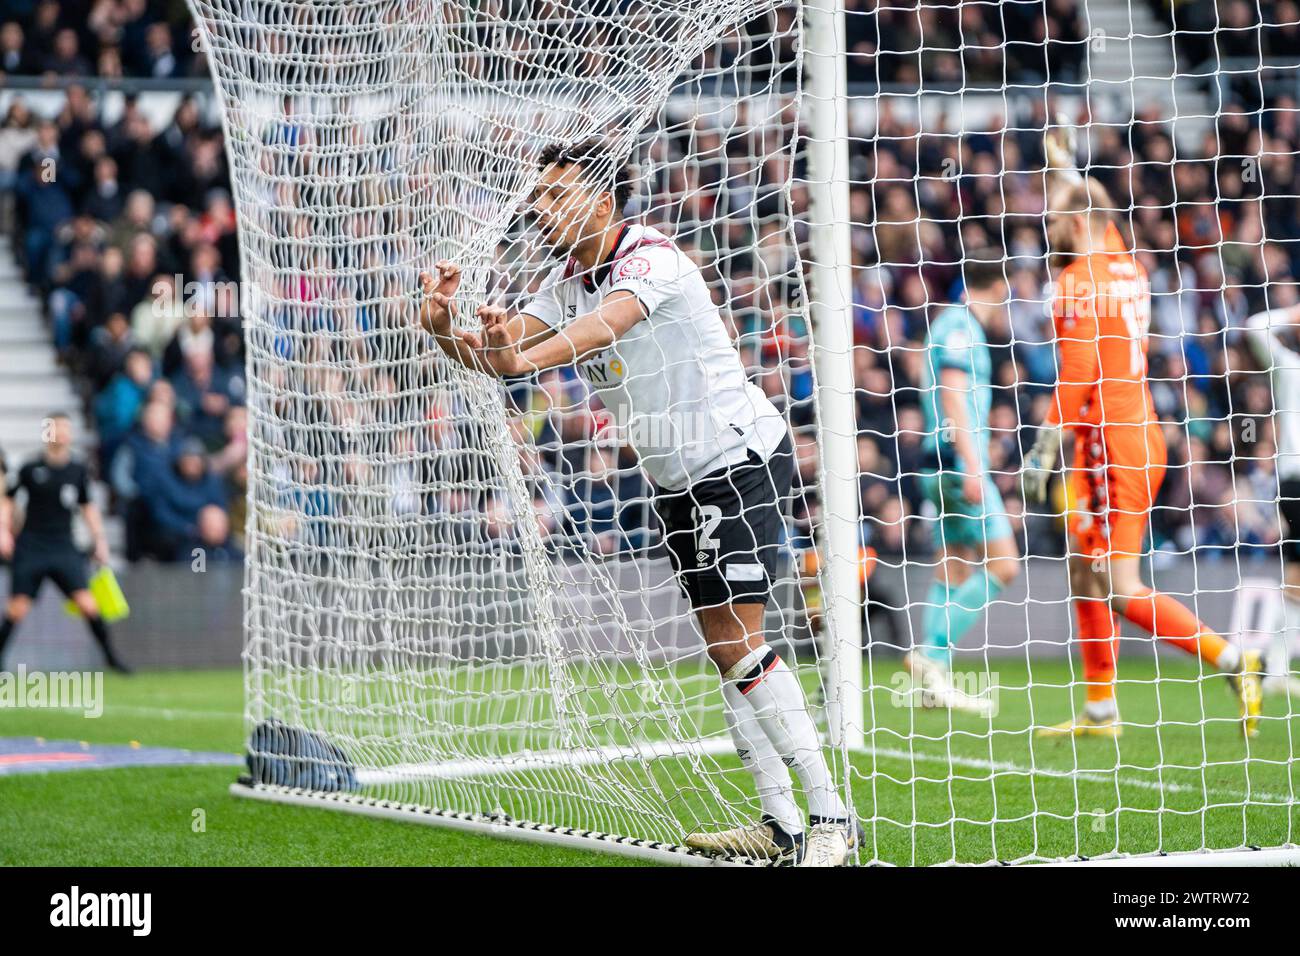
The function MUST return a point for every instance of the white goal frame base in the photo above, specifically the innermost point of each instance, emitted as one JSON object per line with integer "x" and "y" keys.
{"x": 593, "y": 841}
{"x": 485, "y": 824}
{"x": 504, "y": 827}
{"x": 1288, "y": 855}
{"x": 500, "y": 825}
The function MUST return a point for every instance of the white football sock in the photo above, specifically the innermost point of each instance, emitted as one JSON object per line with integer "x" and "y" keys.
{"x": 1229, "y": 660}
{"x": 1289, "y": 626}
{"x": 773, "y": 692}
{"x": 1101, "y": 709}
{"x": 771, "y": 776}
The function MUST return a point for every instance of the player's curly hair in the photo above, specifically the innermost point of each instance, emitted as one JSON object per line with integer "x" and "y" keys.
{"x": 593, "y": 157}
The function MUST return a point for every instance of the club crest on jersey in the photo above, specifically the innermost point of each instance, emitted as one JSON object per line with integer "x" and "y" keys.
{"x": 634, "y": 267}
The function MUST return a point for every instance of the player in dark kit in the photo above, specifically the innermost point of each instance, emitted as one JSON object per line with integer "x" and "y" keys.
{"x": 55, "y": 485}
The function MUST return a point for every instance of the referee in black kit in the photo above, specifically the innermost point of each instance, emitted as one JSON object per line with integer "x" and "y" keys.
{"x": 55, "y": 485}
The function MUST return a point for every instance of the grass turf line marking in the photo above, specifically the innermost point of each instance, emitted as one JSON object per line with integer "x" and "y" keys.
{"x": 974, "y": 763}
{"x": 1092, "y": 776}
{"x": 164, "y": 713}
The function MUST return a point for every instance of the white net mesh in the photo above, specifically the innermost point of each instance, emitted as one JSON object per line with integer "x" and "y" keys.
{"x": 468, "y": 591}
{"x": 466, "y": 588}
{"x": 1186, "y": 114}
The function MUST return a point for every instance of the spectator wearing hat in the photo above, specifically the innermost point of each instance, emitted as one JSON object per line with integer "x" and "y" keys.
{"x": 189, "y": 505}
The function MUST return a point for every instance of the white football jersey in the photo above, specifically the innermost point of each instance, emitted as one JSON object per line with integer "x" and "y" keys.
{"x": 1283, "y": 365}
{"x": 673, "y": 383}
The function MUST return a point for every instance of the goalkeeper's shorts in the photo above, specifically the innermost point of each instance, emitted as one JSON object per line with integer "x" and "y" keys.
{"x": 724, "y": 532}
{"x": 1117, "y": 474}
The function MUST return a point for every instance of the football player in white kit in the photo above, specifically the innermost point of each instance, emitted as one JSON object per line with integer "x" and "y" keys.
{"x": 634, "y": 314}
{"x": 1272, "y": 336}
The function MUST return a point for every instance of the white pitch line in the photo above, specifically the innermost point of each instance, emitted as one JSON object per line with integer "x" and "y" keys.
{"x": 542, "y": 760}
{"x": 978, "y": 763}
{"x": 163, "y": 713}
{"x": 474, "y": 767}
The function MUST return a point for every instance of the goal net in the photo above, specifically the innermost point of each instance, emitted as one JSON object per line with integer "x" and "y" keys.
{"x": 459, "y": 607}
{"x": 1095, "y": 739}
{"x": 463, "y": 586}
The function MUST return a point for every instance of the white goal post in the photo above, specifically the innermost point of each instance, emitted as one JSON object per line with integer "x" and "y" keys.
{"x": 459, "y": 606}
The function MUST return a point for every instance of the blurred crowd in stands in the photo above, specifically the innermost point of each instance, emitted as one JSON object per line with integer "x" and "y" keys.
{"x": 1232, "y": 35}
{"x": 104, "y": 216}
{"x": 132, "y": 209}
{"x": 938, "y": 45}
{"x": 104, "y": 38}
{"x": 1215, "y": 228}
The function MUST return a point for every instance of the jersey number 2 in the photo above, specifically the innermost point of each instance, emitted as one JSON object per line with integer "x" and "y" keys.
{"x": 707, "y": 519}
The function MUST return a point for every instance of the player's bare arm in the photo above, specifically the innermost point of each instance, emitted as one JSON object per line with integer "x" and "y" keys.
{"x": 6, "y": 524}
{"x": 1262, "y": 328}
{"x": 953, "y": 384}
{"x": 1059, "y": 145}
{"x": 1069, "y": 199}
{"x": 95, "y": 525}
{"x": 438, "y": 314}
{"x": 1062, "y": 182}
{"x": 498, "y": 352}
{"x": 6, "y": 517}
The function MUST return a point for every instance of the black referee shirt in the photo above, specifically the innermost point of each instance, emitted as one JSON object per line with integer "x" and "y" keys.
{"x": 54, "y": 495}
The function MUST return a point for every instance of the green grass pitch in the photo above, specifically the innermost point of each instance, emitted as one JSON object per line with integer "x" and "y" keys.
{"x": 931, "y": 787}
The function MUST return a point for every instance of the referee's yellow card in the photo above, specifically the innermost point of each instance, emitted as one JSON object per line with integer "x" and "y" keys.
{"x": 108, "y": 596}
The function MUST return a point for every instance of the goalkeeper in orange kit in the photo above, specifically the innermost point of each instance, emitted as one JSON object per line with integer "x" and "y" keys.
{"x": 1101, "y": 312}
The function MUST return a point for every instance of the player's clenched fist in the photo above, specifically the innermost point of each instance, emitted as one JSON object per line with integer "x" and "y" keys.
{"x": 495, "y": 349}
{"x": 496, "y": 326}
{"x": 436, "y": 308}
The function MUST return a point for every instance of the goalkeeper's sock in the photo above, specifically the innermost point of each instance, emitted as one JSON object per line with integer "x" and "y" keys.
{"x": 1098, "y": 646}
{"x": 934, "y": 624}
{"x": 771, "y": 776}
{"x": 772, "y": 690}
{"x": 1168, "y": 620}
{"x": 1101, "y": 711}
{"x": 6, "y": 629}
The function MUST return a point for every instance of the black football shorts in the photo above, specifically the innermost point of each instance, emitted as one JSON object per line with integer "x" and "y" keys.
{"x": 724, "y": 532}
